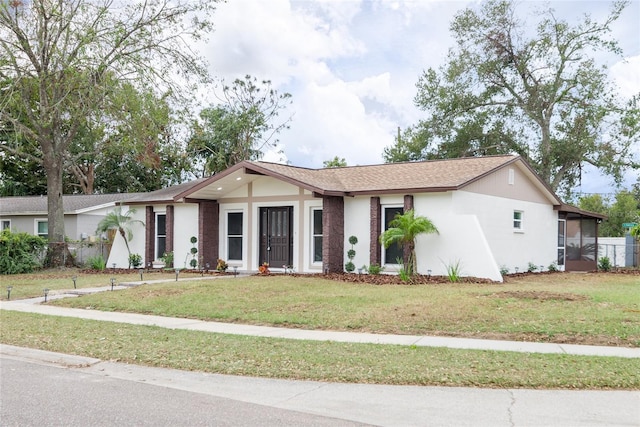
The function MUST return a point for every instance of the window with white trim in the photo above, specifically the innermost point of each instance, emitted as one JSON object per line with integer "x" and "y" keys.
{"x": 161, "y": 235}
{"x": 518, "y": 218}
{"x": 393, "y": 253}
{"x": 42, "y": 228}
{"x": 234, "y": 236}
{"x": 316, "y": 235}
{"x": 5, "y": 224}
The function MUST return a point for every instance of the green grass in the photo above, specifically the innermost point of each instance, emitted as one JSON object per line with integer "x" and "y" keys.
{"x": 321, "y": 361}
{"x": 32, "y": 285}
{"x": 579, "y": 308}
{"x": 601, "y": 309}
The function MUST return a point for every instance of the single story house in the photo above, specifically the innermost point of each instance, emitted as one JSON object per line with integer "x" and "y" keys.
{"x": 82, "y": 213}
{"x": 492, "y": 213}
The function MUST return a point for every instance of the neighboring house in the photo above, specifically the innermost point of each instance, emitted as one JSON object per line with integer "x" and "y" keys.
{"x": 82, "y": 213}
{"x": 491, "y": 212}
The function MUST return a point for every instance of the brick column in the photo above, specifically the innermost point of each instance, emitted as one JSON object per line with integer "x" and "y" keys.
{"x": 169, "y": 232}
{"x": 408, "y": 202}
{"x": 149, "y": 235}
{"x": 408, "y": 205}
{"x": 375, "y": 215}
{"x": 333, "y": 234}
{"x": 208, "y": 232}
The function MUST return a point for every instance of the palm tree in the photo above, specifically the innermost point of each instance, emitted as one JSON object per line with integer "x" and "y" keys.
{"x": 120, "y": 221}
{"x": 403, "y": 230}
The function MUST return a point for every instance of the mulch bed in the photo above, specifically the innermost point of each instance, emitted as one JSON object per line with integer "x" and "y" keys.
{"x": 390, "y": 279}
{"x": 152, "y": 270}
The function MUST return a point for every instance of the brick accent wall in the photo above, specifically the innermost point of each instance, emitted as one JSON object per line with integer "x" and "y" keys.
{"x": 149, "y": 235}
{"x": 170, "y": 232}
{"x": 408, "y": 205}
{"x": 408, "y": 202}
{"x": 333, "y": 234}
{"x": 375, "y": 215}
{"x": 208, "y": 232}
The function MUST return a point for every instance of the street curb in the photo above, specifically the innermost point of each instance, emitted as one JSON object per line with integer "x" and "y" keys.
{"x": 48, "y": 357}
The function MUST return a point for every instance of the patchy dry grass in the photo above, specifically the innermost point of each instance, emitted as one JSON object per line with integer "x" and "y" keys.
{"x": 56, "y": 280}
{"x": 578, "y": 308}
{"x": 599, "y": 309}
{"x": 320, "y": 361}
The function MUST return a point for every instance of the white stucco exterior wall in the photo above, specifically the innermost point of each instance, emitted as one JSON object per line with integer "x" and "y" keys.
{"x": 536, "y": 242}
{"x": 357, "y": 223}
{"x": 475, "y": 230}
{"x": 185, "y": 226}
{"x": 118, "y": 254}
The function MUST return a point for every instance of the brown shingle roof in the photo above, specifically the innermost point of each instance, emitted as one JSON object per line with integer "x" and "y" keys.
{"x": 391, "y": 177}
{"x": 72, "y": 203}
{"x": 164, "y": 194}
{"x": 425, "y": 176}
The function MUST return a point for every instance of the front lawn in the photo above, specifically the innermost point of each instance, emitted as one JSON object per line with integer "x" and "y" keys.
{"x": 313, "y": 360}
{"x": 56, "y": 280}
{"x": 579, "y": 308}
{"x": 599, "y": 309}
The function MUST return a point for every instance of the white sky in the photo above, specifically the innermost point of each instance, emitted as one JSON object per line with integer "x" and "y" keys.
{"x": 352, "y": 66}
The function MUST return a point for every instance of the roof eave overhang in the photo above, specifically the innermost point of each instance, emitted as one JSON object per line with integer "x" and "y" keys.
{"x": 148, "y": 202}
{"x": 250, "y": 168}
{"x": 380, "y": 192}
{"x": 576, "y": 210}
{"x": 199, "y": 186}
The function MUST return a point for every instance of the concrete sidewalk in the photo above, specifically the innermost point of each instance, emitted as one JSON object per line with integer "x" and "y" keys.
{"x": 35, "y": 305}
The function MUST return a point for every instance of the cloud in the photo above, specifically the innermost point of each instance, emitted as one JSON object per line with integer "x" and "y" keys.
{"x": 270, "y": 39}
{"x": 352, "y": 65}
{"x": 626, "y": 75}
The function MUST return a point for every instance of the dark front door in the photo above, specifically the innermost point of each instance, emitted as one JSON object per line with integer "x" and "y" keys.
{"x": 276, "y": 239}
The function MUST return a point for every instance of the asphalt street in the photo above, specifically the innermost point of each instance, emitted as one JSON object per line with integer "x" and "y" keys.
{"x": 40, "y": 388}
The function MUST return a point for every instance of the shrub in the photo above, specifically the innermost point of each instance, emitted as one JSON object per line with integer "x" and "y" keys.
{"x": 532, "y": 267}
{"x": 135, "y": 260}
{"x": 351, "y": 254}
{"x": 453, "y": 271}
{"x": 96, "y": 262}
{"x": 222, "y": 265}
{"x": 350, "y": 267}
{"x": 167, "y": 258}
{"x": 19, "y": 252}
{"x": 553, "y": 267}
{"x": 604, "y": 264}
{"x": 193, "y": 251}
{"x": 404, "y": 273}
{"x": 504, "y": 270}
{"x": 375, "y": 269}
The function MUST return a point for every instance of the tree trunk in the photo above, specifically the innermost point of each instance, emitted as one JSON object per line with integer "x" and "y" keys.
{"x": 126, "y": 242}
{"x": 58, "y": 254}
{"x": 85, "y": 175}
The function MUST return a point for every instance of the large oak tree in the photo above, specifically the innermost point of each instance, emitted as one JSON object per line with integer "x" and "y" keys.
{"x": 533, "y": 88}
{"x": 60, "y": 60}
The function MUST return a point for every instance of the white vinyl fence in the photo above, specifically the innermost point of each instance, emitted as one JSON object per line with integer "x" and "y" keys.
{"x": 621, "y": 251}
